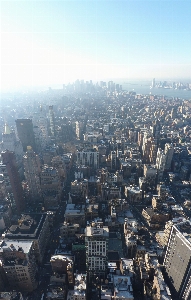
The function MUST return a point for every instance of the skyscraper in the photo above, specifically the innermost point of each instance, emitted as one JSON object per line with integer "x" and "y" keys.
{"x": 40, "y": 124}
{"x": 169, "y": 151}
{"x": 31, "y": 163}
{"x": 26, "y": 133}
{"x": 51, "y": 120}
{"x": 177, "y": 260}
{"x": 9, "y": 142}
{"x": 9, "y": 161}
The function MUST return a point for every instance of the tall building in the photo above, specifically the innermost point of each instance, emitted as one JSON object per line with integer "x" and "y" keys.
{"x": 9, "y": 161}
{"x": 41, "y": 128}
{"x": 169, "y": 151}
{"x": 149, "y": 149}
{"x": 113, "y": 160}
{"x": 9, "y": 142}
{"x": 177, "y": 260}
{"x": 18, "y": 262}
{"x": 153, "y": 83}
{"x": 79, "y": 129}
{"x": 26, "y": 133}
{"x": 51, "y": 187}
{"x": 31, "y": 163}
{"x": 52, "y": 120}
{"x": 96, "y": 243}
{"x": 160, "y": 163}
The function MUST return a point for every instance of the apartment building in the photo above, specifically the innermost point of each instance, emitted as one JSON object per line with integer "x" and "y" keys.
{"x": 96, "y": 243}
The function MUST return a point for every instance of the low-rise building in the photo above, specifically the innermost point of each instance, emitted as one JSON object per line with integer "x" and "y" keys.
{"x": 122, "y": 287}
{"x": 75, "y": 214}
{"x": 133, "y": 193}
{"x": 69, "y": 230}
{"x": 59, "y": 263}
{"x": 155, "y": 218}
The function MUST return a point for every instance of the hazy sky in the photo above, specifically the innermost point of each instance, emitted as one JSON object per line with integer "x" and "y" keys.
{"x": 49, "y": 42}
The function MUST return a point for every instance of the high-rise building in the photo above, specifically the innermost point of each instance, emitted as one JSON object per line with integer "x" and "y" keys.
{"x": 52, "y": 120}
{"x": 18, "y": 262}
{"x": 9, "y": 161}
{"x": 177, "y": 260}
{"x": 160, "y": 163}
{"x": 26, "y": 133}
{"x": 79, "y": 130}
{"x": 41, "y": 127}
{"x": 51, "y": 187}
{"x": 9, "y": 142}
{"x": 169, "y": 151}
{"x": 149, "y": 149}
{"x": 113, "y": 160}
{"x": 153, "y": 83}
{"x": 31, "y": 163}
{"x": 96, "y": 243}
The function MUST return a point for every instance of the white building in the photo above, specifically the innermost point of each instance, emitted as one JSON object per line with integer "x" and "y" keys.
{"x": 160, "y": 163}
{"x": 96, "y": 242}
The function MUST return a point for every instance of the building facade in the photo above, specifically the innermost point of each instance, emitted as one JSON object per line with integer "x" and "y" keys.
{"x": 177, "y": 260}
{"x": 96, "y": 243}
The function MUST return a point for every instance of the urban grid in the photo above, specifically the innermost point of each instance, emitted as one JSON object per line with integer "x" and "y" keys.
{"x": 95, "y": 193}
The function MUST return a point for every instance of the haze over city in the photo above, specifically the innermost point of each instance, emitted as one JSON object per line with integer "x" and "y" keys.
{"x": 95, "y": 150}
{"x": 55, "y": 42}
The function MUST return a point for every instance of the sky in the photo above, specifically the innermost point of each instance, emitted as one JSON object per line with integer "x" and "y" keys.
{"x": 54, "y": 42}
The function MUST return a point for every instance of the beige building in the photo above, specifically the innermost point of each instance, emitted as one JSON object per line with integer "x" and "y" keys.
{"x": 154, "y": 218}
{"x": 160, "y": 289}
{"x": 59, "y": 263}
{"x": 69, "y": 230}
{"x": 18, "y": 261}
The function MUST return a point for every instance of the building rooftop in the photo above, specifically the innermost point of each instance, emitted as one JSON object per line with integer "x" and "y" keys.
{"x": 123, "y": 287}
{"x": 97, "y": 231}
{"x": 29, "y": 227}
{"x": 8, "y": 245}
{"x": 185, "y": 229}
{"x": 61, "y": 257}
{"x": 80, "y": 285}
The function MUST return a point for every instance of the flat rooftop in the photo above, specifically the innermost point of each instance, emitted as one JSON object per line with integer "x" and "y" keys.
{"x": 96, "y": 231}
{"x": 8, "y": 245}
{"x": 28, "y": 227}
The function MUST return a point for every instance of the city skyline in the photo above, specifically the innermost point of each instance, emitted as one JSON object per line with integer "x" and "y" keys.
{"x": 55, "y": 42}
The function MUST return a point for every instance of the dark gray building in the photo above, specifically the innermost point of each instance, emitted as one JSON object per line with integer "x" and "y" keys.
{"x": 26, "y": 133}
{"x": 177, "y": 260}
